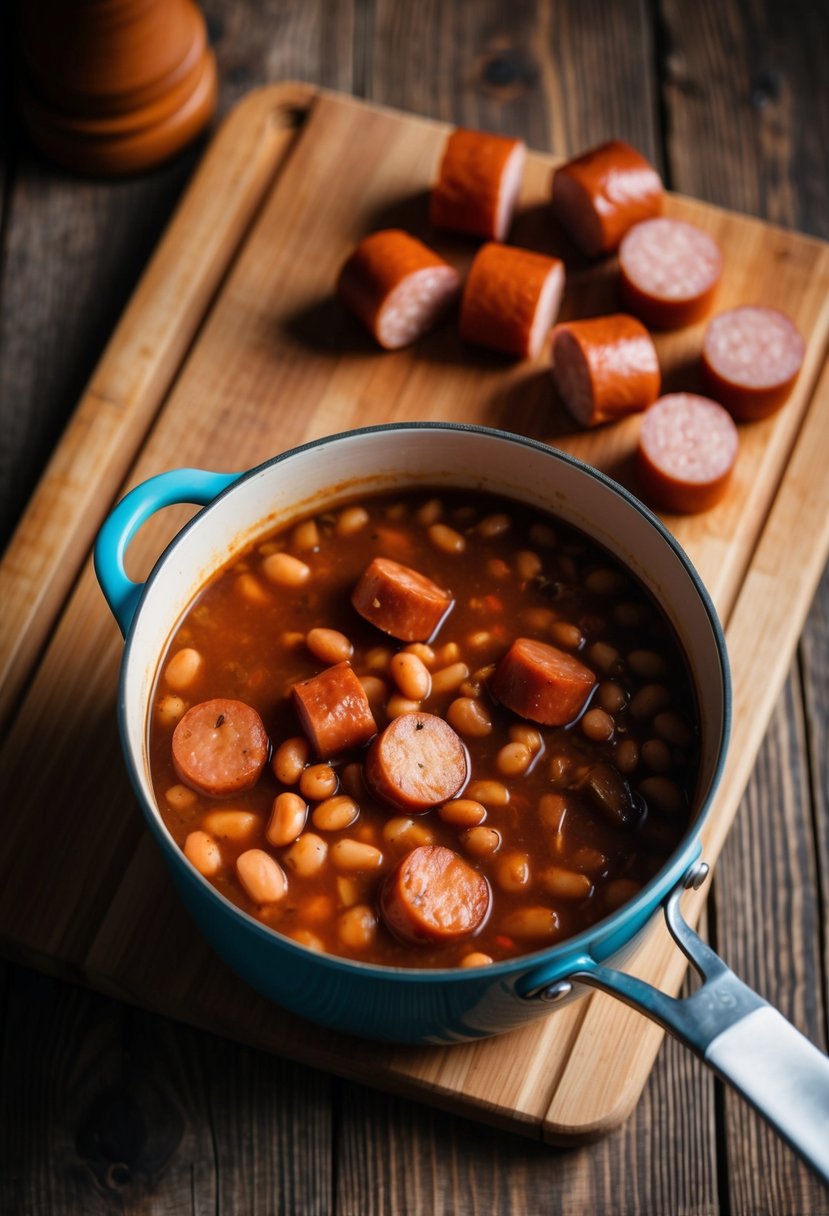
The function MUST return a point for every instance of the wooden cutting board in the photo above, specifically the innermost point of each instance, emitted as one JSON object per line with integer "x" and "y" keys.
{"x": 233, "y": 349}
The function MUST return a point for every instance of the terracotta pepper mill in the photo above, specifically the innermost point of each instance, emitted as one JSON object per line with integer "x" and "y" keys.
{"x": 111, "y": 87}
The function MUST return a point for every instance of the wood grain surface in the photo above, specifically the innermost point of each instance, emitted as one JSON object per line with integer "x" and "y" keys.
{"x": 733, "y": 98}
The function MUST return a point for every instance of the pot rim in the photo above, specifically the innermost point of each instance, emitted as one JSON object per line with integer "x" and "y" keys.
{"x": 651, "y": 893}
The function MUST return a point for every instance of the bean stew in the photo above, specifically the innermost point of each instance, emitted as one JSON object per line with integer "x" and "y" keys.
{"x": 425, "y": 729}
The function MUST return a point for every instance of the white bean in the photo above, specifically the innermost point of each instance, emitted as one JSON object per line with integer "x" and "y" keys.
{"x": 562, "y": 883}
{"x": 231, "y": 825}
{"x": 263, "y": 879}
{"x": 475, "y": 959}
{"x": 468, "y": 717}
{"x": 493, "y": 525}
{"x": 290, "y": 759}
{"x": 527, "y": 565}
{"x": 351, "y": 520}
{"x": 334, "y": 814}
{"x": 328, "y": 645}
{"x": 181, "y": 797}
{"x": 287, "y": 819}
{"x": 446, "y": 539}
{"x": 354, "y": 855}
{"x": 357, "y": 926}
{"x": 528, "y": 735}
{"x": 318, "y": 781}
{"x": 513, "y": 872}
{"x": 202, "y": 851}
{"x": 406, "y": 832}
{"x": 513, "y": 759}
{"x": 449, "y": 679}
{"x": 429, "y": 513}
{"x": 306, "y": 536}
{"x": 250, "y": 589}
{"x": 183, "y": 669}
{"x": 397, "y": 705}
{"x": 170, "y": 710}
{"x": 304, "y": 937}
{"x": 348, "y": 891}
{"x": 286, "y": 570}
{"x": 425, "y": 653}
{"x": 307, "y": 855}
{"x": 411, "y": 675}
{"x": 463, "y": 812}
{"x": 533, "y": 923}
{"x": 490, "y": 793}
{"x": 481, "y": 841}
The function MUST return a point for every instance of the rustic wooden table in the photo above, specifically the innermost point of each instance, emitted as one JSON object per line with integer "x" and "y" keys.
{"x": 103, "y": 1107}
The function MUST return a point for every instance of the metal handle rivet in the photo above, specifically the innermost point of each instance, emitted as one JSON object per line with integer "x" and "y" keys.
{"x": 557, "y": 991}
{"x": 696, "y": 876}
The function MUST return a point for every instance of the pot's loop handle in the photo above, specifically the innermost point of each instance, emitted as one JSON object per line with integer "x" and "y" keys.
{"x": 734, "y": 1031}
{"x": 197, "y": 486}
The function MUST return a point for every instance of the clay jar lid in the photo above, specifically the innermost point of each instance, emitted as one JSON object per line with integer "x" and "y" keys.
{"x": 115, "y": 86}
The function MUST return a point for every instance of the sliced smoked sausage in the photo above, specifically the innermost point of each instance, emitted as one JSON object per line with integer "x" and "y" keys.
{"x": 602, "y": 193}
{"x": 478, "y": 184}
{"x": 511, "y": 299}
{"x": 604, "y": 368}
{"x": 416, "y": 763}
{"x": 397, "y": 287}
{"x": 434, "y": 896}
{"x": 669, "y": 271}
{"x": 334, "y": 711}
{"x": 220, "y": 747}
{"x": 750, "y": 360}
{"x": 542, "y": 683}
{"x": 687, "y": 451}
{"x": 400, "y": 601}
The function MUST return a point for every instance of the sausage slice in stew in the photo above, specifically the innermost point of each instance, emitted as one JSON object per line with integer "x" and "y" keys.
{"x": 416, "y": 763}
{"x": 542, "y": 683}
{"x": 400, "y": 601}
{"x": 433, "y": 895}
{"x": 334, "y": 711}
{"x": 220, "y": 747}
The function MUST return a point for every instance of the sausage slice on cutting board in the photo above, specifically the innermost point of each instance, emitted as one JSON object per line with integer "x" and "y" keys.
{"x": 601, "y": 194}
{"x": 511, "y": 299}
{"x": 604, "y": 368}
{"x": 478, "y": 184}
{"x": 397, "y": 287}
{"x": 669, "y": 272}
{"x": 687, "y": 452}
{"x": 751, "y": 357}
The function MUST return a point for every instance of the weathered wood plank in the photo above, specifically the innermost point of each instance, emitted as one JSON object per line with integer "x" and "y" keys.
{"x": 744, "y": 97}
{"x": 661, "y": 1160}
{"x": 768, "y": 931}
{"x": 561, "y": 76}
{"x": 814, "y": 667}
{"x": 104, "y": 1107}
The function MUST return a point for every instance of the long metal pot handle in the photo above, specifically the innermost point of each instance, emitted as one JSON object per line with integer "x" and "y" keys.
{"x": 734, "y": 1031}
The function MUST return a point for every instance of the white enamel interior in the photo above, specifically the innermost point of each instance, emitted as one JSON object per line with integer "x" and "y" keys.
{"x": 339, "y": 468}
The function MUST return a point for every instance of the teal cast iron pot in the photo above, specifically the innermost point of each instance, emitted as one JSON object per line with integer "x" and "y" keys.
{"x": 724, "y": 1021}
